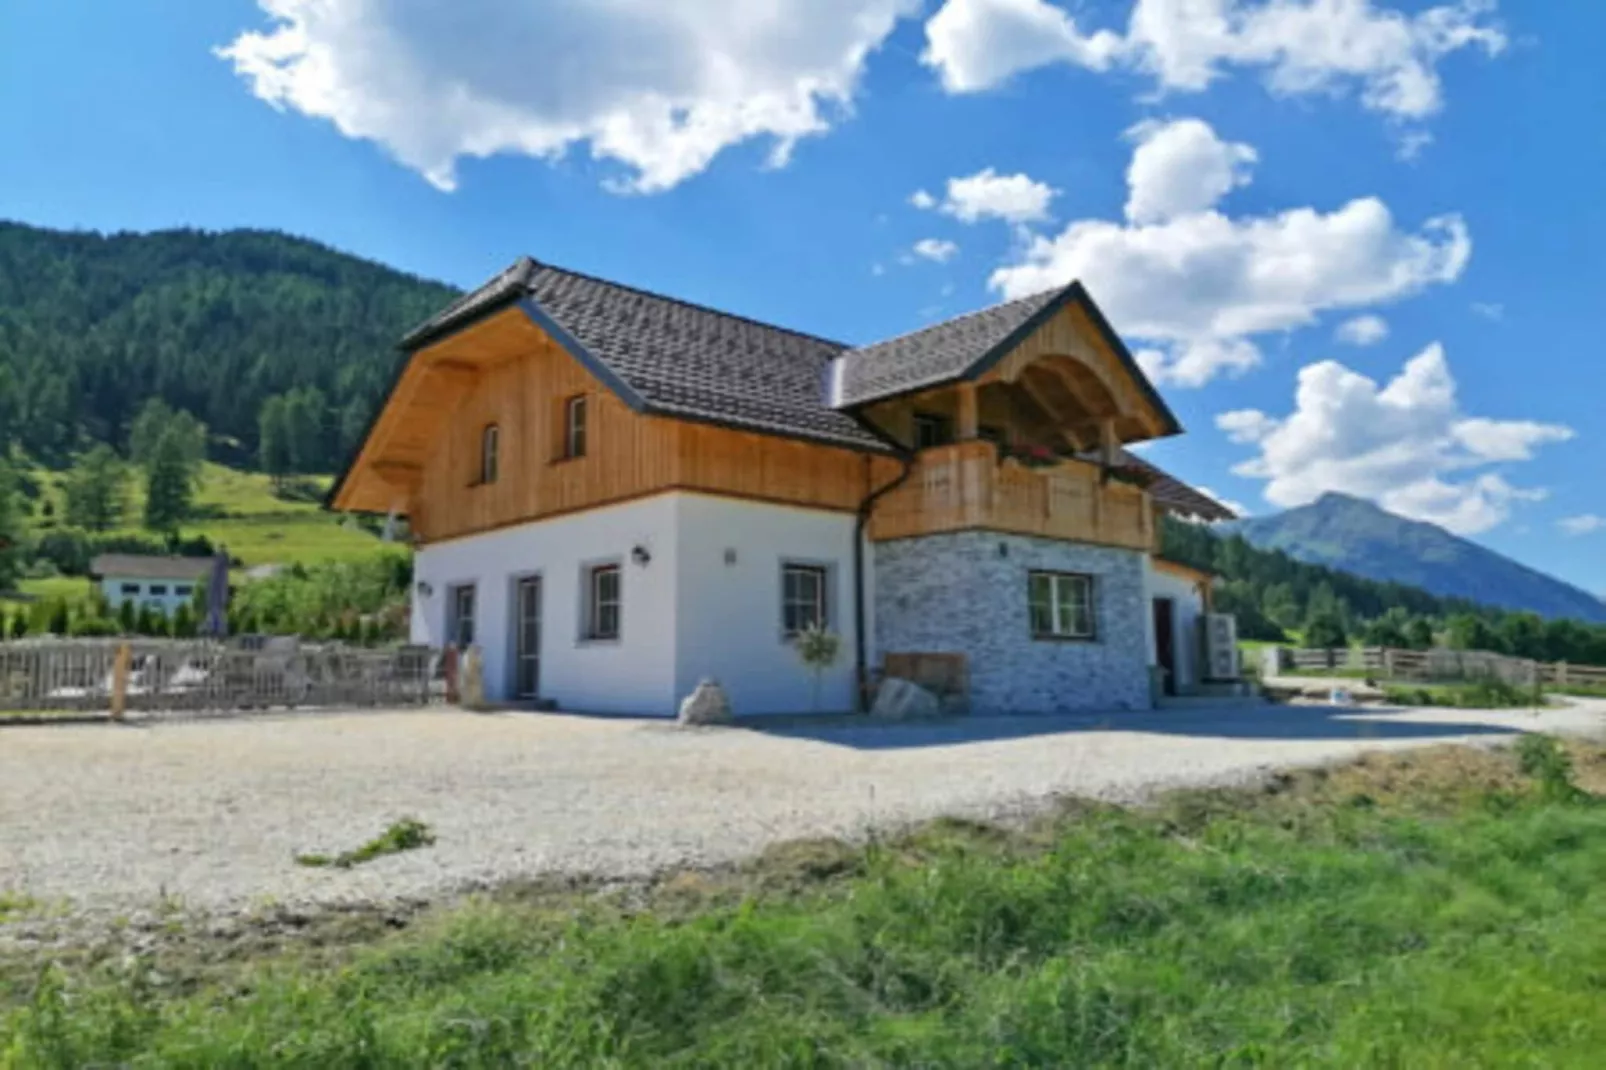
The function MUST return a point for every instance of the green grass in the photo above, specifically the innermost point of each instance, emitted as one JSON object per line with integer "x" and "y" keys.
{"x": 408, "y": 834}
{"x": 1491, "y": 694}
{"x": 1436, "y": 909}
{"x": 241, "y": 511}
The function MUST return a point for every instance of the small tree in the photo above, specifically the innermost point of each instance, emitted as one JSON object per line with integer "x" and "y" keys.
{"x": 818, "y": 650}
{"x": 60, "y": 618}
{"x": 1419, "y": 634}
{"x": 183, "y": 622}
{"x": 1325, "y": 631}
{"x": 97, "y": 489}
{"x": 169, "y": 483}
{"x": 19, "y": 624}
{"x": 127, "y": 618}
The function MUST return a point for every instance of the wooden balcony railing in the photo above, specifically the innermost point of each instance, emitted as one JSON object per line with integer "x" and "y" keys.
{"x": 965, "y": 486}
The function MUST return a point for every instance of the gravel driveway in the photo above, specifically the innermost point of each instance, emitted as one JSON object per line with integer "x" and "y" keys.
{"x": 213, "y": 812}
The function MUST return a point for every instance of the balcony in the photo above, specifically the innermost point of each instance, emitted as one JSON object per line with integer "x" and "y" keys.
{"x": 965, "y": 486}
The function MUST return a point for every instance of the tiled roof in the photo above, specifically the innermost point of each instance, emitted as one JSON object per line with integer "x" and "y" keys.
{"x": 1175, "y": 496}
{"x": 668, "y": 356}
{"x": 673, "y": 357}
{"x": 936, "y": 354}
{"x": 150, "y": 567}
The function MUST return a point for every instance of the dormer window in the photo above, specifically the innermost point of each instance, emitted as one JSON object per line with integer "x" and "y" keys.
{"x": 490, "y": 453}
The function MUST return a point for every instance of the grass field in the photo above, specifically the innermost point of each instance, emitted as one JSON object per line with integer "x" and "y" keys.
{"x": 238, "y": 510}
{"x": 1440, "y": 908}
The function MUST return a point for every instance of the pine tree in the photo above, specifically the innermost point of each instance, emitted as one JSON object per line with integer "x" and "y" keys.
{"x": 10, "y": 530}
{"x": 127, "y": 617}
{"x": 60, "y": 619}
{"x": 96, "y": 490}
{"x": 273, "y": 439}
{"x": 169, "y": 488}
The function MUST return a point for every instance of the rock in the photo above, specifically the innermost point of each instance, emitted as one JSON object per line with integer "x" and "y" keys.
{"x": 471, "y": 680}
{"x": 708, "y": 704}
{"x": 900, "y": 700}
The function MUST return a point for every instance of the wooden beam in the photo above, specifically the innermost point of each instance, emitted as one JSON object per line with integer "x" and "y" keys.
{"x": 967, "y": 429}
{"x": 1109, "y": 443}
{"x": 1064, "y": 427}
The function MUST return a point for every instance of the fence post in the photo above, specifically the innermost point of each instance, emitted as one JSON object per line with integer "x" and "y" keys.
{"x": 1561, "y": 674}
{"x": 1388, "y": 663}
{"x": 125, "y": 657}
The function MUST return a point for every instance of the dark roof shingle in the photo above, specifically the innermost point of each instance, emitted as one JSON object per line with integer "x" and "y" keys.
{"x": 150, "y": 567}
{"x": 932, "y": 355}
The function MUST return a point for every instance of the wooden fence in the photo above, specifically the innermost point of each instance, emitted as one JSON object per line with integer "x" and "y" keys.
{"x": 1440, "y": 665}
{"x": 208, "y": 676}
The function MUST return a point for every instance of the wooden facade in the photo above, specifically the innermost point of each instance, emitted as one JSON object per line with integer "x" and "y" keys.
{"x": 425, "y": 454}
{"x": 966, "y": 486}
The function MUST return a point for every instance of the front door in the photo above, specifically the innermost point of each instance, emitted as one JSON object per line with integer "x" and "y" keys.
{"x": 527, "y": 638}
{"x": 1165, "y": 641}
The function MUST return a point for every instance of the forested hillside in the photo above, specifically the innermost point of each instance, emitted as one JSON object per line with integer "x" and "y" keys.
{"x": 92, "y": 326}
{"x": 1273, "y": 594}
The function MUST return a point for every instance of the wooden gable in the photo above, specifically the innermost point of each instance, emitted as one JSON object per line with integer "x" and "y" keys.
{"x": 423, "y": 456}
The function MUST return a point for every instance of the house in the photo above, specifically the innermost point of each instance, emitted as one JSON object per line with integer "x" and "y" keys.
{"x": 163, "y": 583}
{"x": 615, "y": 494}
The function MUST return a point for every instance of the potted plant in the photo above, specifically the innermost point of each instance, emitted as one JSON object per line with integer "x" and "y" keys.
{"x": 1030, "y": 455}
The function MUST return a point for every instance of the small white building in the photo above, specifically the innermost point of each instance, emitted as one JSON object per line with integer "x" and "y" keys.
{"x": 163, "y": 583}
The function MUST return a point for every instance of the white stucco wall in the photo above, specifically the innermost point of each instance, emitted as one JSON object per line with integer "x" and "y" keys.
{"x": 168, "y": 602}
{"x": 686, "y": 614}
{"x": 1189, "y": 606}
{"x": 633, "y": 674}
{"x": 730, "y": 614}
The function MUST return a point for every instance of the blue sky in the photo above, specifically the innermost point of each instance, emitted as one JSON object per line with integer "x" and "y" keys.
{"x": 1357, "y": 241}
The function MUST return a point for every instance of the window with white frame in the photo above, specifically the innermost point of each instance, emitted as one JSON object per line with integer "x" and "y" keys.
{"x": 490, "y": 453}
{"x": 602, "y": 602}
{"x": 460, "y": 616}
{"x": 1061, "y": 605}
{"x": 574, "y": 427}
{"x": 803, "y": 600}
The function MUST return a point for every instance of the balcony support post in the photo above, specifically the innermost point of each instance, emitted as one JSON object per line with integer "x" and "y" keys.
{"x": 969, "y": 419}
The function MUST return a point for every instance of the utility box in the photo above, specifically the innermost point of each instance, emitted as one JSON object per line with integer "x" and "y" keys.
{"x": 1219, "y": 645}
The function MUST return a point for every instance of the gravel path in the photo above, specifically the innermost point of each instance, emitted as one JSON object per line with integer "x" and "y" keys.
{"x": 213, "y": 813}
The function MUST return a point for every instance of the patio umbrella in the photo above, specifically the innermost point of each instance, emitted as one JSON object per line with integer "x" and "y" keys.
{"x": 217, "y": 596}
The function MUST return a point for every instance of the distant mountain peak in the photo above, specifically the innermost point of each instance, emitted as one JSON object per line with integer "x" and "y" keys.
{"x": 1359, "y": 536}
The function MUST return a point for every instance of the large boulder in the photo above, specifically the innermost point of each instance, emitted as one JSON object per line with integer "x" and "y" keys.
{"x": 708, "y": 704}
{"x": 899, "y": 700}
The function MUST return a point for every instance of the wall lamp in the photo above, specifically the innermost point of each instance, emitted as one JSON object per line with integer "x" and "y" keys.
{"x": 424, "y": 589}
{"x": 639, "y": 555}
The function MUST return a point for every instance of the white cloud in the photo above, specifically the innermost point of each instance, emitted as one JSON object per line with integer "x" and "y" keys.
{"x": 1491, "y": 311}
{"x": 976, "y": 44}
{"x": 659, "y": 86}
{"x": 1406, "y": 445}
{"x": 1196, "y": 287}
{"x": 1362, "y": 331}
{"x": 1298, "y": 46}
{"x": 938, "y": 250}
{"x": 1181, "y": 167}
{"x": 1586, "y": 524}
{"x": 987, "y": 194}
